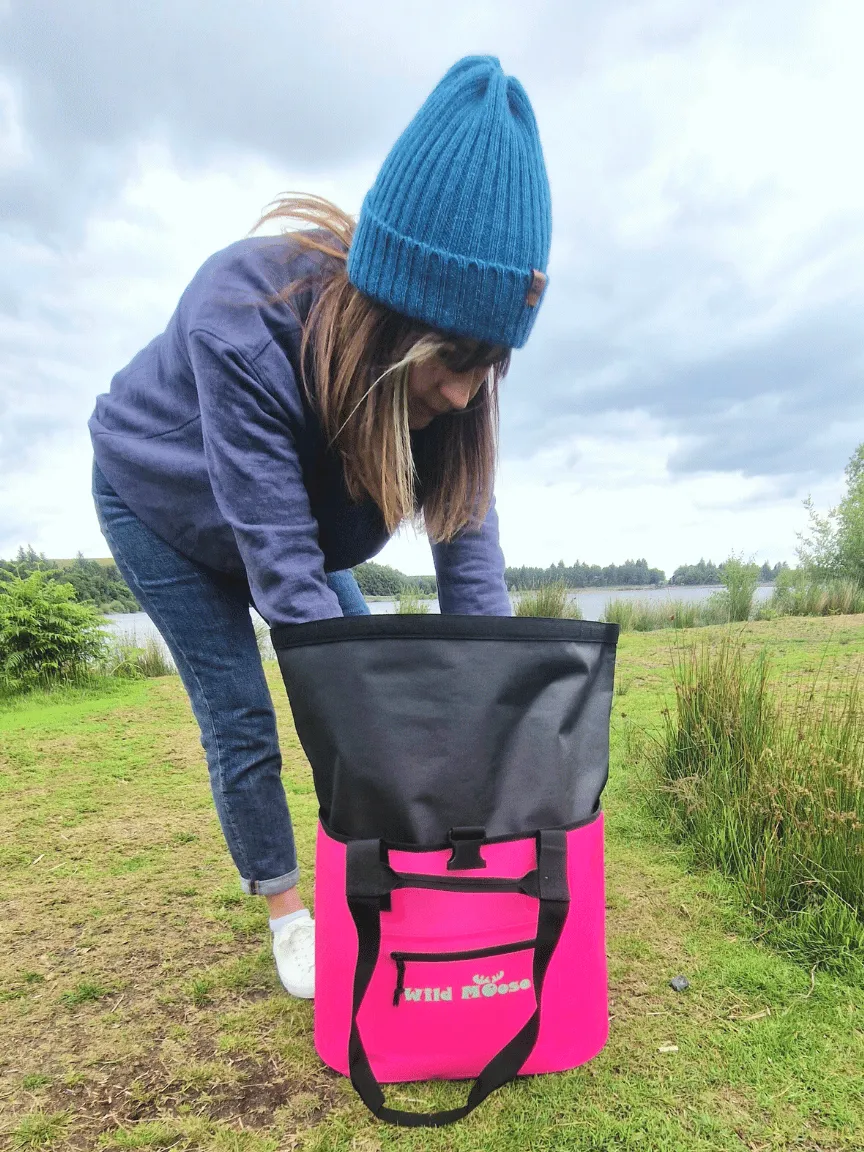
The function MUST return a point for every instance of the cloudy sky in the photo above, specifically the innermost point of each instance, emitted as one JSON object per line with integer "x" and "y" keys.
{"x": 696, "y": 367}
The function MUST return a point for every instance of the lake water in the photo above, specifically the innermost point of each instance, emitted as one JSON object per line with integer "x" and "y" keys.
{"x": 592, "y": 601}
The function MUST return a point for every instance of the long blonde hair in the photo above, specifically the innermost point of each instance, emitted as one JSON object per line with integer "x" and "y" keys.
{"x": 360, "y": 354}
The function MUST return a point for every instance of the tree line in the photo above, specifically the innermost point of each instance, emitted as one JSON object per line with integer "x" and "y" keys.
{"x": 711, "y": 573}
{"x": 382, "y": 580}
{"x": 94, "y": 583}
{"x": 581, "y": 575}
{"x": 102, "y": 584}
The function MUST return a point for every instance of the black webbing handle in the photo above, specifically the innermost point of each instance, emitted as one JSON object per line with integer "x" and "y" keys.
{"x": 367, "y": 882}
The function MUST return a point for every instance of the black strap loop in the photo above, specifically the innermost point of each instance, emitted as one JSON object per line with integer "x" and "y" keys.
{"x": 369, "y": 876}
{"x": 365, "y": 909}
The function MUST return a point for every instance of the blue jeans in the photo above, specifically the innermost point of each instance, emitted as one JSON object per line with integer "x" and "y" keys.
{"x": 203, "y": 617}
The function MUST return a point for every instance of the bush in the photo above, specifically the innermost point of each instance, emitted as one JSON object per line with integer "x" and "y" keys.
{"x": 770, "y": 791}
{"x": 549, "y": 601}
{"x": 45, "y": 635}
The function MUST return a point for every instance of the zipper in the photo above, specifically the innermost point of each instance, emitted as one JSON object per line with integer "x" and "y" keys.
{"x": 403, "y": 958}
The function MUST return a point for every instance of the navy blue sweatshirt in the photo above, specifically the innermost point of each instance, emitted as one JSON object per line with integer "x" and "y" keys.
{"x": 209, "y": 437}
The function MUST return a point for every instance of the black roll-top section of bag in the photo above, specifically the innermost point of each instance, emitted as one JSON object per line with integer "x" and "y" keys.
{"x": 415, "y": 725}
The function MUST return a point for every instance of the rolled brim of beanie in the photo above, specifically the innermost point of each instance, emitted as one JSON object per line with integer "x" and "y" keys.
{"x": 455, "y": 294}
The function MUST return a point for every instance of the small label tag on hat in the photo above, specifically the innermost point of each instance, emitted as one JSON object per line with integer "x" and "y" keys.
{"x": 535, "y": 290}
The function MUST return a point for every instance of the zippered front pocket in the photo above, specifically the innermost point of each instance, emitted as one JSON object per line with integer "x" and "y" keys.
{"x": 480, "y": 985}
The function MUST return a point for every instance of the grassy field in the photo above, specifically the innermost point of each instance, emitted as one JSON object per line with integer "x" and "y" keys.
{"x": 139, "y": 1007}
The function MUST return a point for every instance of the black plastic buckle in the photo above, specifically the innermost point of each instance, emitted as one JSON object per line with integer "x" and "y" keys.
{"x": 466, "y": 849}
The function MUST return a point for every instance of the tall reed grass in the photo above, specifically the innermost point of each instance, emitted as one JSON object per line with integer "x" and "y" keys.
{"x": 769, "y": 788}
{"x": 409, "y": 603}
{"x": 740, "y": 582}
{"x": 799, "y": 593}
{"x": 649, "y": 616}
{"x": 652, "y": 615}
{"x": 733, "y": 604}
{"x": 125, "y": 658}
{"x": 550, "y": 600}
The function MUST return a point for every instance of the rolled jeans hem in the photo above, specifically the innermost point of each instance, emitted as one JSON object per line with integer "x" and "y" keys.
{"x": 271, "y": 887}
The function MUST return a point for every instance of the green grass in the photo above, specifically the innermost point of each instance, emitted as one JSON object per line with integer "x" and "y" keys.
{"x": 39, "y": 1130}
{"x": 768, "y": 1057}
{"x": 83, "y": 993}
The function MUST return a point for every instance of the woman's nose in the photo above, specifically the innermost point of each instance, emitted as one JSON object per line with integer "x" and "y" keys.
{"x": 458, "y": 391}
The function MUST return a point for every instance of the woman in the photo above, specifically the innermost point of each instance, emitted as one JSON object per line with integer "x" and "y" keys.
{"x": 311, "y": 393}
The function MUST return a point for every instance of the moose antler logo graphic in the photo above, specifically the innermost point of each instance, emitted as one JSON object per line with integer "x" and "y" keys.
{"x": 489, "y": 979}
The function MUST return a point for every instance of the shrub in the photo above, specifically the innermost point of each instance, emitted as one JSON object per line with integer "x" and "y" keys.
{"x": 45, "y": 635}
{"x": 410, "y": 604}
{"x": 770, "y": 790}
{"x": 549, "y": 601}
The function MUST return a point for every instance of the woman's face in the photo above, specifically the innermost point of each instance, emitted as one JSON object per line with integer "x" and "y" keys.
{"x": 433, "y": 390}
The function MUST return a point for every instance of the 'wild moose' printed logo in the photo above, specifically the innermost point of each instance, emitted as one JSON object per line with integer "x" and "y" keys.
{"x": 487, "y": 986}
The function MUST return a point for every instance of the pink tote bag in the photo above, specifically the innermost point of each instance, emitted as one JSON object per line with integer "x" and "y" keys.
{"x": 459, "y": 888}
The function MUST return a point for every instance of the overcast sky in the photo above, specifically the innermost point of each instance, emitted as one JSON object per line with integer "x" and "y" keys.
{"x": 696, "y": 368}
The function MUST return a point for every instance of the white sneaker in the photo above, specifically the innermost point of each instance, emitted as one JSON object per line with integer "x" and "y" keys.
{"x": 294, "y": 951}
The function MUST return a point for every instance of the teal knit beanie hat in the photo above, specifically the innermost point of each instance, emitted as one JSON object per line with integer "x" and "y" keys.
{"x": 455, "y": 230}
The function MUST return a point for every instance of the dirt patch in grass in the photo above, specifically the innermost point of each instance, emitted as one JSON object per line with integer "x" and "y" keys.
{"x": 234, "y": 1090}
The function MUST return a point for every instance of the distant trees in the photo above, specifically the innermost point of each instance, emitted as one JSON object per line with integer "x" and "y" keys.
{"x": 382, "y": 580}
{"x": 94, "y": 583}
{"x": 701, "y": 573}
{"x": 580, "y": 575}
{"x": 707, "y": 572}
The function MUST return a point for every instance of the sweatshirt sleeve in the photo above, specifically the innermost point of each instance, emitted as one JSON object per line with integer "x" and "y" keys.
{"x": 470, "y": 571}
{"x": 249, "y": 430}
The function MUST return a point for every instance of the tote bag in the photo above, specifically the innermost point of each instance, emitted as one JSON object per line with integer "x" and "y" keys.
{"x": 459, "y": 890}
